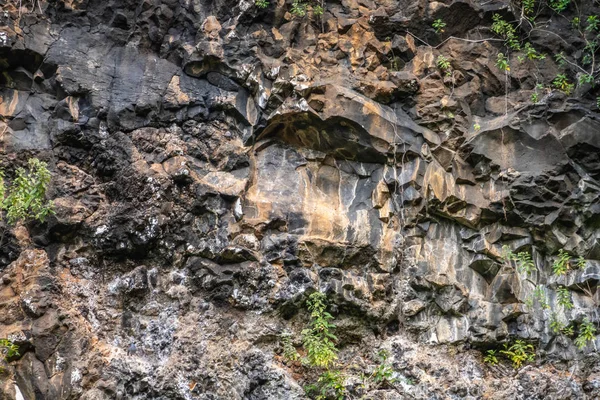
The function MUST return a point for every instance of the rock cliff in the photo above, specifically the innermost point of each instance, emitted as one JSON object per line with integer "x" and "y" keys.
{"x": 215, "y": 162}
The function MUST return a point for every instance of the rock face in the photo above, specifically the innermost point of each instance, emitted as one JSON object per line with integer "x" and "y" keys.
{"x": 214, "y": 163}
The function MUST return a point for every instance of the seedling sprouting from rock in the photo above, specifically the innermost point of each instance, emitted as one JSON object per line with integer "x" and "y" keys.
{"x": 439, "y": 26}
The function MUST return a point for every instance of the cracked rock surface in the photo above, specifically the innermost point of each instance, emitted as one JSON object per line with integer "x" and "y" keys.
{"x": 214, "y": 163}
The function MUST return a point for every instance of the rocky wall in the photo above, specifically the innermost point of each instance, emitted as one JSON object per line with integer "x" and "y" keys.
{"x": 214, "y": 163}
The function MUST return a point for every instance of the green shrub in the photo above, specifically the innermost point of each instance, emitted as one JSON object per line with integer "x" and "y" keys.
{"x": 586, "y": 78}
{"x": 528, "y": 6}
{"x": 561, "y": 264}
{"x": 8, "y": 349}
{"x": 560, "y": 59}
{"x": 558, "y": 327}
{"x": 383, "y": 373}
{"x": 519, "y": 352}
{"x": 564, "y": 298}
{"x": 587, "y": 333}
{"x": 289, "y": 351}
{"x": 532, "y": 54}
{"x": 262, "y": 3}
{"x": 540, "y": 295}
{"x": 318, "y": 339}
{"x": 592, "y": 23}
{"x": 502, "y": 62}
{"x": 523, "y": 259}
{"x": 26, "y": 197}
{"x": 329, "y": 385}
{"x": 562, "y": 83}
{"x": 301, "y": 7}
{"x": 505, "y": 30}
{"x": 524, "y": 262}
{"x": 559, "y": 5}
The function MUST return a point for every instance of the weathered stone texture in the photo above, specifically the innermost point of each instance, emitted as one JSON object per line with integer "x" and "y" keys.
{"x": 214, "y": 163}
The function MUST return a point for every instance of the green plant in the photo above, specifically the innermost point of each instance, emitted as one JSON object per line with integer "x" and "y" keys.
{"x": 560, "y": 59}
{"x": 318, "y": 339}
{"x": 444, "y": 64}
{"x": 559, "y": 5}
{"x": 589, "y": 50}
{"x": 562, "y": 83}
{"x": 564, "y": 298}
{"x": 289, "y": 351}
{"x": 524, "y": 262}
{"x": 598, "y": 102}
{"x": 476, "y": 127}
{"x": 26, "y": 197}
{"x": 535, "y": 96}
{"x": 519, "y": 352}
{"x": 507, "y": 254}
{"x": 8, "y": 349}
{"x": 439, "y": 26}
{"x": 383, "y": 372}
{"x": 523, "y": 259}
{"x": 592, "y": 23}
{"x": 556, "y": 326}
{"x": 587, "y": 333}
{"x": 490, "y": 357}
{"x": 568, "y": 330}
{"x": 505, "y": 30}
{"x": 329, "y": 385}
{"x": 532, "y": 53}
{"x": 299, "y": 8}
{"x": 540, "y": 295}
{"x": 528, "y": 6}
{"x": 586, "y": 78}
{"x": 502, "y": 62}
{"x": 561, "y": 264}
{"x": 262, "y": 3}
{"x": 581, "y": 262}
